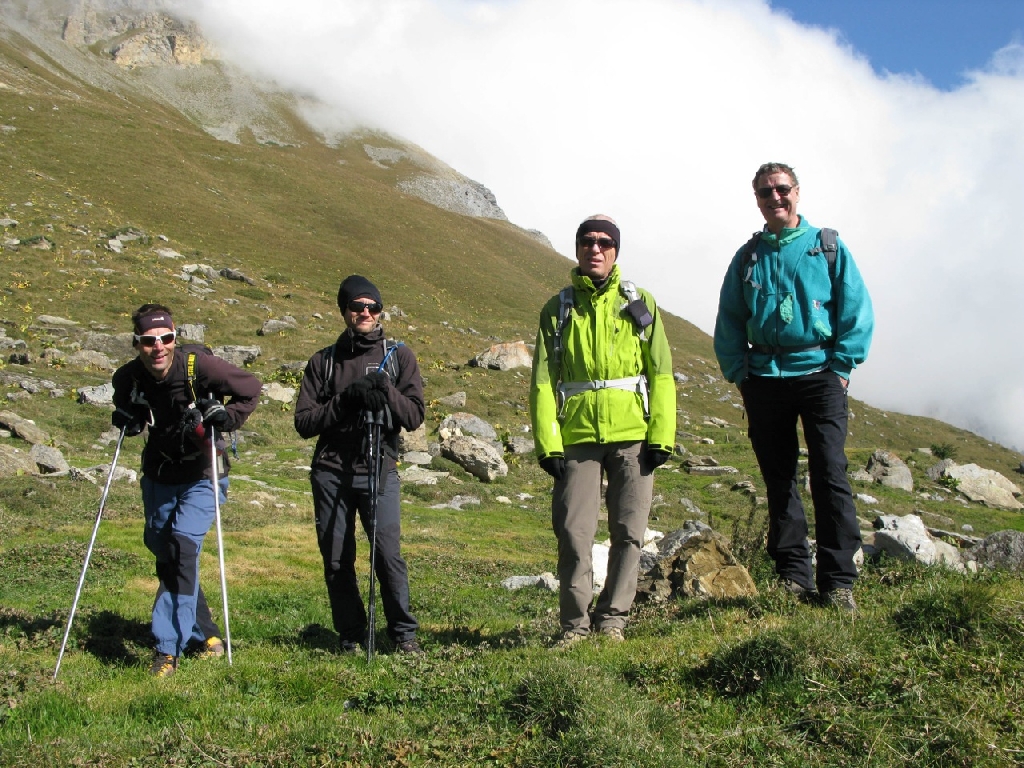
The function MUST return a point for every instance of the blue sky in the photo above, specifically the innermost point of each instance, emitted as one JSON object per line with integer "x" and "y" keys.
{"x": 938, "y": 39}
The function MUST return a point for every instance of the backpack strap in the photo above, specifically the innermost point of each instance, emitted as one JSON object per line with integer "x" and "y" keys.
{"x": 327, "y": 358}
{"x": 828, "y": 244}
{"x": 390, "y": 364}
{"x": 749, "y": 258}
{"x": 565, "y": 305}
{"x": 190, "y": 375}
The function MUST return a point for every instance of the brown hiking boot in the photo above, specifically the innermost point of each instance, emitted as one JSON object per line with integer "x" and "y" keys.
{"x": 212, "y": 648}
{"x": 163, "y": 665}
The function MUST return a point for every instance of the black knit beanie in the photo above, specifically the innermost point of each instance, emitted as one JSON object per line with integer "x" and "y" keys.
{"x": 354, "y": 287}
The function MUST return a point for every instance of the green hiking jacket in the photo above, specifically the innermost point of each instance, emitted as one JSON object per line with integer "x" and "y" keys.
{"x": 601, "y": 342}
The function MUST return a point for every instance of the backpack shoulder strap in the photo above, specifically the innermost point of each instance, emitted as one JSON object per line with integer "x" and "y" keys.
{"x": 565, "y": 305}
{"x": 828, "y": 244}
{"x": 749, "y": 256}
{"x": 191, "y": 370}
{"x": 326, "y": 378}
{"x": 390, "y": 364}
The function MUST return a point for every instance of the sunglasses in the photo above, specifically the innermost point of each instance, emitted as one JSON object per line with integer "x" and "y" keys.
{"x": 149, "y": 340}
{"x": 604, "y": 243}
{"x": 766, "y": 192}
{"x": 357, "y": 307}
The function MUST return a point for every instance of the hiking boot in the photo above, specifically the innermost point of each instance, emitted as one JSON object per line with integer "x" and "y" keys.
{"x": 213, "y": 648}
{"x": 614, "y": 634}
{"x": 350, "y": 648}
{"x": 796, "y": 589}
{"x": 408, "y": 646}
{"x": 568, "y": 639}
{"x": 841, "y": 599}
{"x": 163, "y": 665}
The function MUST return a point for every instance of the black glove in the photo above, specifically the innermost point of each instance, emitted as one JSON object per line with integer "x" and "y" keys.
{"x": 654, "y": 458}
{"x": 554, "y": 466}
{"x": 375, "y": 400}
{"x": 380, "y": 380}
{"x": 131, "y": 423}
{"x": 214, "y": 413}
{"x": 356, "y": 392}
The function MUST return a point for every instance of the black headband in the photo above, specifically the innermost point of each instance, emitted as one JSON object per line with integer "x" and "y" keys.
{"x": 600, "y": 225}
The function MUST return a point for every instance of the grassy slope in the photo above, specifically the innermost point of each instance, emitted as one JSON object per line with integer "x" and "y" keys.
{"x": 926, "y": 677}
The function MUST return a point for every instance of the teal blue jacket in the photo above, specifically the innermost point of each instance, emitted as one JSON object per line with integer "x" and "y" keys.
{"x": 788, "y": 298}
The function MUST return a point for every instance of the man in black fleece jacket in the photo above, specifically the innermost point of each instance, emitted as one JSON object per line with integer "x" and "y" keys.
{"x": 339, "y": 384}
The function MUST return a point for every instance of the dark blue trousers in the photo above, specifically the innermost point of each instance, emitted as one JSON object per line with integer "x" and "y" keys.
{"x": 819, "y": 401}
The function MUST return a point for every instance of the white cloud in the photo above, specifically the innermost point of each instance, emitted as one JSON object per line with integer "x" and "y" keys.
{"x": 659, "y": 111}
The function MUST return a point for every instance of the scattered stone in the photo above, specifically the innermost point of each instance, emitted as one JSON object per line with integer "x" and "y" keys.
{"x": 466, "y": 424}
{"x": 984, "y": 485}
{"x": 455, "y": 400}
{"x": 481, "y": 459}
{"x": 51, "y": 320}
{"x": 278, "y": 393}
{"x": 890, "y": 470}
{"x": 694, "y": 561}
{"x": 457, "y": 502}
{"x": 414, "y": 474}
{"x": 14, "y": 461}
{"x": 504, "y": 357}
{"x": 194, "y": 333}
{"x": 86, "y": 358}
{"x": 907, "y": 538}
{"x": 278, "y": 326}
{"x": 1003, "y": 550}
{"x": 23, "y": 428}
{"x": 866, "y": 499}
{"x": 414, "y": 442}
{"x": 240, "y": 356}
{"x": 234, "y": 274}
{"x": 519, "y": 445}
{"x": 48, "y": 459}
{"x": 417, "y": 457}
{"x": 101, "y": 395}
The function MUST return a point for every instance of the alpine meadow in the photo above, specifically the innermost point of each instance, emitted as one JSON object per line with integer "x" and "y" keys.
{"x": 136, "y": 166}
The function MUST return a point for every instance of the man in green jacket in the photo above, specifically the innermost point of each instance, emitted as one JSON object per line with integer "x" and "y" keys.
{"x": 794, "y": 319}
{"x": 602, "y": 401}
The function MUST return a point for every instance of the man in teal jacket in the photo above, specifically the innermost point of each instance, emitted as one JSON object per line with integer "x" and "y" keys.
{"x": 793, "y": 322}
{"x": 602, "y": 401}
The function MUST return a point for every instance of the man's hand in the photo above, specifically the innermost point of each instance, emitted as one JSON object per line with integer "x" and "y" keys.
{"x": 652, "y": 458}
{"x": 554, "y": 466}
{"x": 214, "y": 413}
{"x": 131, "y": 423}
{"x": 366, "y": 393}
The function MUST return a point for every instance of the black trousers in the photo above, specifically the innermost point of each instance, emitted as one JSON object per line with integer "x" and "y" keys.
{"x": 337, "y": 497}
{"x": 819, "y": 401}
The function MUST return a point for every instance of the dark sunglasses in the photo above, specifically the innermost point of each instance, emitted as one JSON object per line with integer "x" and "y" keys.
{"x": 357, "y": 307}
{"x": 604, "y": 243}
{"x": 766, "y": 192}
{"x": 149, "y": 340}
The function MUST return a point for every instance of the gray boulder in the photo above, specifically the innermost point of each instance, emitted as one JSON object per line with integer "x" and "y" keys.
{"x": 478, "y": 457}
{"x": 907, "y": 538}
{"x": 455, "y": 400}
{"x": 85, "y": 358}
{"x": 23, "y": 428}
{"x": 505, "y": 356}
{"x": 14, "y": 461}
{"x": 1003, "y": 550}
{"x": 101, "y": 395}
{"x": 467, "y": 424}
{"x": 890, "y": 470}
{"x": 277, "y": 326}
{"x": 48, "y": 459}
{"x": 117, "y": 346}
{"x": 699, "y": 564}
{"x": 238, "y": 355}
{"x": 984, "y": 485}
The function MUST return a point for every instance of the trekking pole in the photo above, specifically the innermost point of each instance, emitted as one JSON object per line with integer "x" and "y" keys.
{"x": 220, "y": 541}
{"x": 373, "y": 422}
{"x": 88, "y": 553}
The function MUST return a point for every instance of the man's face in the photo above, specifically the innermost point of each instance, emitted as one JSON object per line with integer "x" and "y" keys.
{"x": 156, "y": 351}
{"x": 361, "y": 314}
{"x": 778, "y": 209}
{"x": 596, "y": 253}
